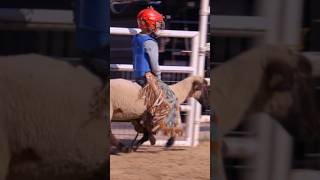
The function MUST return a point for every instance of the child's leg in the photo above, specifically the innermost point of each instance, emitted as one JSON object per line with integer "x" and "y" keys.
{"x": 178, "y": 130}
{"x": 141, "y": 81}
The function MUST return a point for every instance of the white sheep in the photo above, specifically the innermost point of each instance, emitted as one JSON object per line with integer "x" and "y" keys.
{"x": 47, "y": 129}
{"x": 125, "y": 104}
{"x": 270, "y": 79}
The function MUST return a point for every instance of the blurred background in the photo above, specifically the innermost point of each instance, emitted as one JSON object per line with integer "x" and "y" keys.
{"x": 43, "y": 33}
{"x": 238, "y": 26}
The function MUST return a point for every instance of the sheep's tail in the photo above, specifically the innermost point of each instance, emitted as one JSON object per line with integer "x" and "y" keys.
{"x": 156, "y": 101}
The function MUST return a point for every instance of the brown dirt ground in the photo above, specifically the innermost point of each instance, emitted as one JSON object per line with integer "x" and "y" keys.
{"x": 155, "y": 163}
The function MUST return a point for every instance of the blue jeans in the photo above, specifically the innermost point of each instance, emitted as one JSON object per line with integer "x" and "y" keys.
{"x": 142, "y": 81}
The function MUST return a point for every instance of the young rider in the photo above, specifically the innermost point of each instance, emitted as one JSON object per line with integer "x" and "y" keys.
{"x": 160, "y": 101}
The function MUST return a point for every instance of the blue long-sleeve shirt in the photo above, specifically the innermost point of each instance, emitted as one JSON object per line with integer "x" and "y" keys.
{"x": 152, "y": 49}
{"x": 145, "y": 56}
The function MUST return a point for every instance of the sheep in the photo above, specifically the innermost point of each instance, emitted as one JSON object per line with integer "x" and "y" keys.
{"x": 270, "y": 79}
{"x": 50, "y": 127}
{"x": 125, "y": 104}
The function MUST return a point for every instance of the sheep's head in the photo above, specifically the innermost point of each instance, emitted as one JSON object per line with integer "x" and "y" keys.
{"x": 200, "y": 90}
{"x": 288, "y": 96}
{"x": 279, "y": 82}
{"x": 303, "y": 120}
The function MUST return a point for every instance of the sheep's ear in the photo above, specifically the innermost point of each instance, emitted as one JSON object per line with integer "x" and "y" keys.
{"x": 279, "y": 76}
{"x": 197, "y": 85}
{"x": 206, "y": 83}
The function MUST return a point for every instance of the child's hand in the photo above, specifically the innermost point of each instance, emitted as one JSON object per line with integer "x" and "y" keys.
{"x": 149, "y": 75}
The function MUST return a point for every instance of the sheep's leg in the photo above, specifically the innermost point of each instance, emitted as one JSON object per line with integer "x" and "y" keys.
{"x": 4, "y": 157}
{"x": 134, "y": 140}
{"x": 172, "y": 138}
{"x": 114, "y": 142}
{"x": 170, "y": 141}
{"x": 144, "y": 138}
{"x": 140, "y": 129}
{"x": 147, "y": 133}
{"x": 121, "y": 147}
{"x": 152, "y": 139}
{"x": 149, "y": 128}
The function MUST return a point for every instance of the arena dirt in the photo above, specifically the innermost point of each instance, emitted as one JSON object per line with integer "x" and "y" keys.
{"x": 155, "y": 163}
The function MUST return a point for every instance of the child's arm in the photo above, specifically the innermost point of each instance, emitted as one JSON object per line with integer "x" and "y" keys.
{"x": 151, "y": 48}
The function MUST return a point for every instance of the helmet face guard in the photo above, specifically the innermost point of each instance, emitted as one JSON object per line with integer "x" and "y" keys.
{"x": 150, "y": 21}
{"x": 160, "y": 25}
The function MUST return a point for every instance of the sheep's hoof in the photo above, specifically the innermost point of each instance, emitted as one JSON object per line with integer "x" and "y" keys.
{"x": 126, "y": 149}
{"x": 135, "y": 147}
{"x": 114, "y": 151}
{"x": 152, "y": 140}
{"x": 170, "y": 142}
{"x": 130, "y": 150}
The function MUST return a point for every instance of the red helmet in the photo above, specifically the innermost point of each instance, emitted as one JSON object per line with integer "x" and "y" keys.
{"x": 150, "y": 20}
